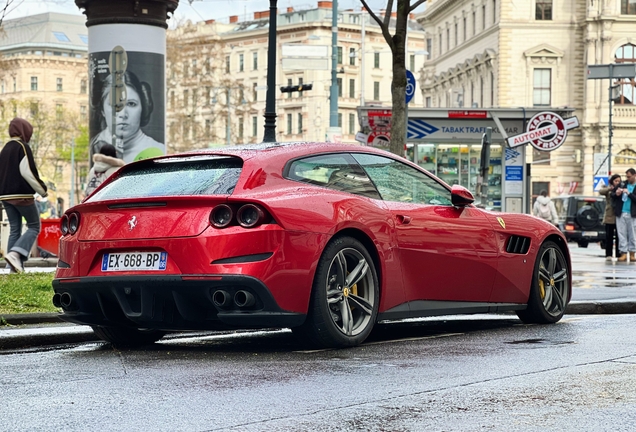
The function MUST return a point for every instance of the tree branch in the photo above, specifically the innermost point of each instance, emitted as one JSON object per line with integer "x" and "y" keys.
{"x": 416, "y": 4}
{"x": 383, "y": 27}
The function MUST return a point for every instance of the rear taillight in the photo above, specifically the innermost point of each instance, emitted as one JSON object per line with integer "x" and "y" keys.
{"x": 221, "y": 216}
{"x": 73, "y": 223}
{"x": 64, "y": 225}
{"x": 250, "y": 216}
{"x": 569, "y": 227}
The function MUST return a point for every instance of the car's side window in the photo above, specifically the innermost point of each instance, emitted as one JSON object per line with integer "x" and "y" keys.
{"x": 334, "y": 171}
{"x": 399, "y": 182}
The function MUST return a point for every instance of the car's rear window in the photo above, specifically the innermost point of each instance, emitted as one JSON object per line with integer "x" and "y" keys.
{"x": 174, "y": 177}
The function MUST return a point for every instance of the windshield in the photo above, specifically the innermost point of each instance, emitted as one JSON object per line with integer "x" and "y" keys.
{"x": 164, "y": 177}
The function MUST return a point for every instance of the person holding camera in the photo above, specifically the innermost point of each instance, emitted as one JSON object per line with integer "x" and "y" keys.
{"x": 622, "y": 198}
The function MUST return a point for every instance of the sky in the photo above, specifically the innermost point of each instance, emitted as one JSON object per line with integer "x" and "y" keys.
{"x": 194, "y": 10}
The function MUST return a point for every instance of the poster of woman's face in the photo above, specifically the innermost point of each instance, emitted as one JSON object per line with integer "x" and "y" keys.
{"x": 139, "y": 130}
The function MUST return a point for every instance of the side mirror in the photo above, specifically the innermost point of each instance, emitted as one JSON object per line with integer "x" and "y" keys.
{"x": 461, "y": 197}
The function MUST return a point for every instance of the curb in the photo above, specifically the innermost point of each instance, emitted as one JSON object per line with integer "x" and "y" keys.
{"x": 34, "y": 262}
{"x": 608, "y": 307}
{"x": 31, "y": 318}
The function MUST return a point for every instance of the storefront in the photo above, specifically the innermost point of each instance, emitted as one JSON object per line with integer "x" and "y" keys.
{"x": 448, "y": 144}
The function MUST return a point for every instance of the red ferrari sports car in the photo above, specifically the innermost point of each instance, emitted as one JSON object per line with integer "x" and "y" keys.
{"x": 327, "y": 239}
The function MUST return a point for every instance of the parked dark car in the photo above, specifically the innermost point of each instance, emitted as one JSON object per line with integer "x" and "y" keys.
{"x": 581, "y": 218}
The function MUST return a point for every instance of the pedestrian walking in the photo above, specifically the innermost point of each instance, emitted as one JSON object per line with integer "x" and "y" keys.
{"x": 625, "y": 222}
{"x": 105, "y": 164}
{"x": 19, "y": 181}
{"x": 544, "y": 208}
{"x": 609, "y": 218}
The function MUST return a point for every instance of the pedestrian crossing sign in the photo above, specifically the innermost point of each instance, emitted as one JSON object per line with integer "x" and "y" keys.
{"x": 600, "y": 182}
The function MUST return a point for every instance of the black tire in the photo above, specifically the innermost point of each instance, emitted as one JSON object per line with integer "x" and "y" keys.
{"x": 550, "y": 287}
{"x": 128, "y": 337}
{"x": 583, "y": 243}
{"x": 344, "y": 299}
{"x": 588, "y": 217}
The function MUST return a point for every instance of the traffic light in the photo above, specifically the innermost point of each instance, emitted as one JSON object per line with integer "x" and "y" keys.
{"x": 298, "y": 88}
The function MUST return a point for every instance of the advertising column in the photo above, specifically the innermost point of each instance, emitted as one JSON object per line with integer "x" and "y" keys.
{"x": 126, "y": 57}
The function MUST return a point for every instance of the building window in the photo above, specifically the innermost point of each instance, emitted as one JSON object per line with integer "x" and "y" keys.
{"x": 376, "y": 60}
{"x": 254, "y": 126}
{"x": 33, "y": 107}
{"x": 83, "y": 113}
{"x": 59, "y": 110}
{"x": 376, "y": 90}
{"x": 626, "y": 54}
{"x": 481, "y": 92}
{"x": 255, "y": 60}
{"x": 352, "y": 88}
{"x": 208, "y": 125}
{"x": 289, "y": 84}
{"x": 289, "y": 124}
{"x": 340, "y": 120}
{"x": 428, "y": 102}
{"x": 339, "y": 55}
{"x": 172, "y": 99}
{"x": 206, "y": 95}
{"x": 429, "y": 48}
{"x": 185, "y": 98}
{"x": 464, "y": 30}
{"x": 412, "y": 62}
{"x": 448, "y": 39}
{"x": 494, "y": 11}
{"x": 352, "y": 124}
{"x": 34, "y": 84}
{"x": 240, "y": 127}
{"x": 456, "y": 41}
{"x": 83, "y": 86}
{"x": 58, "y": 85}
{"x": 352, "y": 56}
{"x": 492, "y": 89}
{"x": 541, "y": 87}
{"x": 254, "y": 92}
{"x": 300, "y": 123}
{"x": 227, "y": 64}
{"x": 186, "y": 69}
{"x": 474, "y": 23}
{"x": 300, "y": 83}
{"x": 483, "y": 17}
{"x": 241, "y": 62}
{"x": 628, "y": 7}
{"x": 543, "y": 10}
{"x": 60, "y": 36}
{"x": 339, "y": 82}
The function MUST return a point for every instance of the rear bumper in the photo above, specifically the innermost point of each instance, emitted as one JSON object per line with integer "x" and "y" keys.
{"x": 182, "y": 302}
{"x": 588, "y": 236}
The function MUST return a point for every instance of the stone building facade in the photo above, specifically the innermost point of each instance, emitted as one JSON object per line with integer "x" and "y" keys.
{"x": 496, "y": 53}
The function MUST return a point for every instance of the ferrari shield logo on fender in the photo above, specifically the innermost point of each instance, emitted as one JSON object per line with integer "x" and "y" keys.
{"x": 501, "y": 222}
{"x": 132, "y": 223}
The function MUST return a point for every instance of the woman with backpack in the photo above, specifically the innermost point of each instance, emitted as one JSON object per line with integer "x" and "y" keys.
{"x": 544, "y": 208}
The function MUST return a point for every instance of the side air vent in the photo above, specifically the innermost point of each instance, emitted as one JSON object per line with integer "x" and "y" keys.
{"x": 518, "y": 245}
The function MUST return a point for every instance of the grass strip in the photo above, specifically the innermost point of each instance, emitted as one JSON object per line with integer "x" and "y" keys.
{"x": 26, "y": 293}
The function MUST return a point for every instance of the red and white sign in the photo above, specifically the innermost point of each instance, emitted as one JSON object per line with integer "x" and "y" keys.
{"x": 546, "y": 131}
{"x": 468, "y": 114}
{"x": 379, "y": 120}
{"x": 379, "y": 139}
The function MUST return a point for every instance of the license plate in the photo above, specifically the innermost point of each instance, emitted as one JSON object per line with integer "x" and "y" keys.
{"x": 590, "y": 233}
{"x": 134, "y": 261}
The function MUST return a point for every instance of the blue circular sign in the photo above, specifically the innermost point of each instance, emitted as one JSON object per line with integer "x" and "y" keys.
{"x": 410, "y": 86}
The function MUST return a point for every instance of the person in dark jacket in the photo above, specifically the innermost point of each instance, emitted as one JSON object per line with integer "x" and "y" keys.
{"x": 19, "y": 181}
{"x": 609, "y": 217}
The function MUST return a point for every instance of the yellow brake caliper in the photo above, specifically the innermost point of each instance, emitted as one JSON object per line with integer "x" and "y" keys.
{"x": 541, "y": 288}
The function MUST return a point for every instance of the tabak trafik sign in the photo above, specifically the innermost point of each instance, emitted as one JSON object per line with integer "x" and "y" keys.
{"x": 546, "y": 131}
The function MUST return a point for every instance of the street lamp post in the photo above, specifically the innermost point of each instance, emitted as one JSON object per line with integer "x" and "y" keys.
{"x": 334, "y": 130}
{"x": 270, "y": 103}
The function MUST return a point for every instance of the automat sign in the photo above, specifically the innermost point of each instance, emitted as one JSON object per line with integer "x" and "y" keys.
{"x": 546, "y": 131}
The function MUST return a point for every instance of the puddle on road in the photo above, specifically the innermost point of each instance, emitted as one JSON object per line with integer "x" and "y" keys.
{"x": 539, "y": 341}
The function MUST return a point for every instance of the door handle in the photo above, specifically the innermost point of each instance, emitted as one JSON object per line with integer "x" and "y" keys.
{"x": 404, "y": 220}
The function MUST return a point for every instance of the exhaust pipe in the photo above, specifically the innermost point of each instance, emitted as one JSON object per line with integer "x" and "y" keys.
{"x": 244, "y": 299}
{"x": 66, "y": 300}
{"x": 221, "y": 299}
{"x": 57, "y": 302}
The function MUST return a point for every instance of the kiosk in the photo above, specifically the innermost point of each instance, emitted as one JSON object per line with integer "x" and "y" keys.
{"x": 447, "y": 142}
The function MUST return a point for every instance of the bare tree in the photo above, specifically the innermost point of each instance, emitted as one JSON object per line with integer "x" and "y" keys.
{"x": 397, "y": 43}
{"x": 204, "y": 102}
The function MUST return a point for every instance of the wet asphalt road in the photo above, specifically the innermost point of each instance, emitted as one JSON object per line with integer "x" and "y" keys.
{"x": 463, "y": 374}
